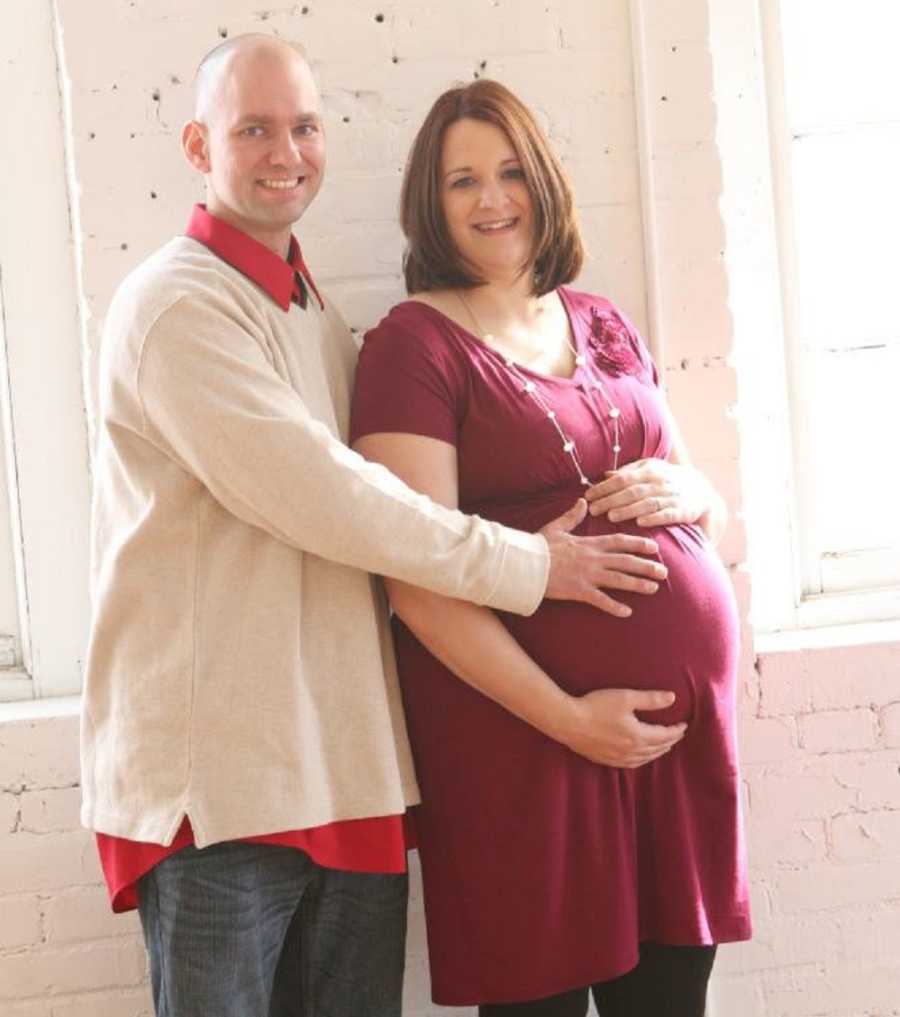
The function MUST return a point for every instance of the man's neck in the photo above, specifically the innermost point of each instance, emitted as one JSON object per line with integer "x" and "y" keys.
{"x": 276, "y": 239}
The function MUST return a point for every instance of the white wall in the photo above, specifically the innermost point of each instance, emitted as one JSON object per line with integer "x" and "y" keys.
{"x": 657, "y": 107}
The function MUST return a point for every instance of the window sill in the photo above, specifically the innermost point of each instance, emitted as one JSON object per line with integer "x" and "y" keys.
{"x": 828, "y": 637}
{"x": 40, "y": 709}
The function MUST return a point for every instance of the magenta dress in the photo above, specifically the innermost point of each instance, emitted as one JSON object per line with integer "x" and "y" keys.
{"x": 543, "y": 871}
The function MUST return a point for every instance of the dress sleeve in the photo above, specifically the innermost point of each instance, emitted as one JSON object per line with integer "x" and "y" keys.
{"x": 410, "y": 380}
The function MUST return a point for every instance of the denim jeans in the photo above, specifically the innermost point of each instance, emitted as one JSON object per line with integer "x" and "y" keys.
{"x": 258, "y": 930}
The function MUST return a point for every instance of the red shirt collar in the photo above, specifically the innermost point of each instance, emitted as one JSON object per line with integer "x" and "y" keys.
{"x": 279, "y": 277}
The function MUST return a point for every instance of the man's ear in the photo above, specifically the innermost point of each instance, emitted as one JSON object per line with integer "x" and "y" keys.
{"x": 195, "y": 143}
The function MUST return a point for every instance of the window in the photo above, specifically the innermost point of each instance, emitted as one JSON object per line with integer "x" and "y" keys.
{"x": 834, "y": 106}
{"x": 44, "y": 519}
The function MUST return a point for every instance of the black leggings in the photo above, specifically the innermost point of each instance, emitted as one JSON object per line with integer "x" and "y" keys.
{"x": 669, "y": 981}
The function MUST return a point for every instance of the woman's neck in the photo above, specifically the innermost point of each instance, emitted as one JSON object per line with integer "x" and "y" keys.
{"x": 510, "y": 301}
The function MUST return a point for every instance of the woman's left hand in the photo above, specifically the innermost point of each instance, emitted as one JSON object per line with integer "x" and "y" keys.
{"x": 654, "y": 492}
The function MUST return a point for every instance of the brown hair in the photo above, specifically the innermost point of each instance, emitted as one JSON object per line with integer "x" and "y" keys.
{"x": 431, "y": 261}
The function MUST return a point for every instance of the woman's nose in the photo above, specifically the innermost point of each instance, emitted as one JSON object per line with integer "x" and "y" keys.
{"x": 492, "y": 195}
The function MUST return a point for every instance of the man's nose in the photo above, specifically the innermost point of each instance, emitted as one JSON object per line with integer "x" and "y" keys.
{"x": 285, "y": 150}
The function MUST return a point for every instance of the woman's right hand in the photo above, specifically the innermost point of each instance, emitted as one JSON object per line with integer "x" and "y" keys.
{"x": 602, "y": 727}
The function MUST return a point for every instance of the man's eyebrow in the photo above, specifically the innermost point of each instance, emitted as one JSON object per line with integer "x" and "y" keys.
{"x": 262, "y": 118}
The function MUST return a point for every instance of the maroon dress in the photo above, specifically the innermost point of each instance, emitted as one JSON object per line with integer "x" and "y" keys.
{"x": 543, "y": 871}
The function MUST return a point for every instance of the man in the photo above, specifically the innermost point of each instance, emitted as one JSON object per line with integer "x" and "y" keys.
{"x": 244, "y": 756}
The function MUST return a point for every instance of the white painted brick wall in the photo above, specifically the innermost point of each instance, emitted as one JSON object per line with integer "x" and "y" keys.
{"x": 820, "y": 729}
{"x": 62, "y": 952}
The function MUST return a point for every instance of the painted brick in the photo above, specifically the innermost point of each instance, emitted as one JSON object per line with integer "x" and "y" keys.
{"x": 39, "y": 753}
{"x": 774, "y": 844}
{"x": 53, "y": 972}
{"x": 767, "y": 739}
{"x": 680, "y": 93}
{"x": 828, "y": 886}
{"x": 134, "y": 1003}
{"x": 582, "y": 23}
{"x": 21, "y": 923}
{"x": 890, "y": 723}
{"x": 47, "y": 862}
{"x": 735, "y": 996}
{"x": 829, "y": 679}
{"x": 79, "y": 915}
{"x": 693, "y": 392}
{"x": 33, "y": 1008}
{"x": 789, "y": 942}
{"x": 874, "y": 776}
{"x": 838, "y": 730}
{"x": 871, "y": 835}
{"x": 363, "y": 301}
{"x": 814, "y": 990}
{"x": 51, "y": 811}
{"x": 9, "y": 812}
{"x": 783, "y": 798}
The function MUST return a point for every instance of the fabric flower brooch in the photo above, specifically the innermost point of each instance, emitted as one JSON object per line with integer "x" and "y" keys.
{"x": 611, "y": 344}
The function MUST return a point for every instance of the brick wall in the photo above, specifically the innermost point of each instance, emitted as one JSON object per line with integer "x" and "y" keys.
{"x": 657, "y": 108}
{"x": 62, "y": 952}
{"x": 822, "y": 779}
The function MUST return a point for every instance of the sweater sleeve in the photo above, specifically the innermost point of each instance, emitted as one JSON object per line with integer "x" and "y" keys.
{"x": 211, "y": 400}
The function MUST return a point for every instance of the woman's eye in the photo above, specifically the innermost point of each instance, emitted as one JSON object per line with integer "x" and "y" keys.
{"x": 515, "y": 173}
{"x": 461, "y": 182}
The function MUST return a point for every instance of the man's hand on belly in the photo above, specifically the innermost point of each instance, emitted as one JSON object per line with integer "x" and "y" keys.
{"x": 582, "y": 568}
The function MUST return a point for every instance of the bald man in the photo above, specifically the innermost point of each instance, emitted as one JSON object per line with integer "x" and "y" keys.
{"x": 245, "y": 762}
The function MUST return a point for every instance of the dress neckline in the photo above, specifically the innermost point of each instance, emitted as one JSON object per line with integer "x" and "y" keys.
{"x": 469, "y": 336}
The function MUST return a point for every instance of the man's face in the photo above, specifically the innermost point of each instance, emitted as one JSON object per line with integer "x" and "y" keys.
{"x": 263, "y": 147}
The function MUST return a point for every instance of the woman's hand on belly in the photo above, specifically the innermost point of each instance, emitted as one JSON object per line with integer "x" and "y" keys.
{"x": 602, "y": 727}
{"x": 654, "y": 492}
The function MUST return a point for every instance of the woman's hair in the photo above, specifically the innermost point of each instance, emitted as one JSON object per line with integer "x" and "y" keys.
{"x": 431, "y": 261}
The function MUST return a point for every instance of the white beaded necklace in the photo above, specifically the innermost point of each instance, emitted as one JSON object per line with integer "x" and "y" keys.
{"x": 530, "y": 389}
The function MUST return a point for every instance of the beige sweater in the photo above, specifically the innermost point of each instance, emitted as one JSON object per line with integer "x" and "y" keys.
{"x": 240, "y": 668}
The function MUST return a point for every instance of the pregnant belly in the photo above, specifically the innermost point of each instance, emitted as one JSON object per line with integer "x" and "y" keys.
{"x": 683, "y": 638}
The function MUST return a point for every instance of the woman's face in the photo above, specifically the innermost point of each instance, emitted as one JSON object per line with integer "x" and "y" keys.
{"x": 485, "y": 199}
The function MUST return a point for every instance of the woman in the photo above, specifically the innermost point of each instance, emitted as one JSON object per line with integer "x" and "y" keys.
{"x": 550, "y": 870}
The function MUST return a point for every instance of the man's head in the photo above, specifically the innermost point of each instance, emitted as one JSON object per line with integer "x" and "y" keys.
{"x": 257, "y": 136}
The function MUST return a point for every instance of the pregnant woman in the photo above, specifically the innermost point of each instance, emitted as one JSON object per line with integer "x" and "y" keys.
{"x": 552, "y": 870}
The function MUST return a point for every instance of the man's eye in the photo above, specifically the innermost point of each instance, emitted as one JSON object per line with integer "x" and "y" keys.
{"x": 254, "y": 131}
{"x": 306, "y": 130}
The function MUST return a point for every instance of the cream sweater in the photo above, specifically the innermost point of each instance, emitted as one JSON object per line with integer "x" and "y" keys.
{"x": 240, "y": 668}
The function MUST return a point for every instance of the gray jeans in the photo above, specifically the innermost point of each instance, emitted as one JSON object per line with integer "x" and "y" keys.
{"x": 257, "y": 930}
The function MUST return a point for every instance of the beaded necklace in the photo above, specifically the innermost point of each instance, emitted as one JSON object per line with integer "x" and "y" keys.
{"x": 530, "y": 389}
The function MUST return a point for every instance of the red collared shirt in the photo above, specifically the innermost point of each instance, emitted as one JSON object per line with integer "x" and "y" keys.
{"x": 376, "y": 844}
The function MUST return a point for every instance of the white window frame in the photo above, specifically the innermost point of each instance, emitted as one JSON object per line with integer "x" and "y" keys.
{"x": 44, "y": 426}
{"x": 791, "y": 596}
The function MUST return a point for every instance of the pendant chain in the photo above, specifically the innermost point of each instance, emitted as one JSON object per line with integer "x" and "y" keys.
{"x": 530, "y": 389}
